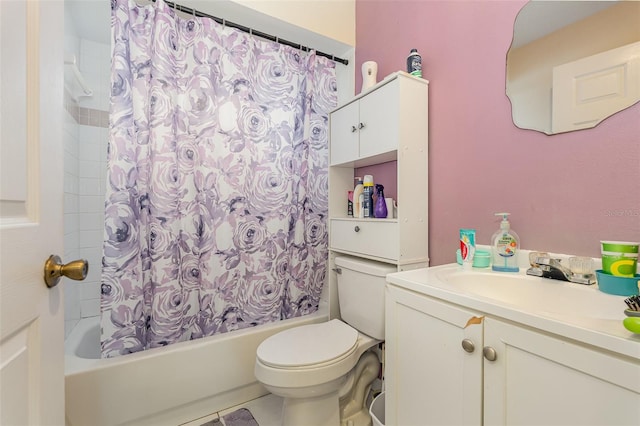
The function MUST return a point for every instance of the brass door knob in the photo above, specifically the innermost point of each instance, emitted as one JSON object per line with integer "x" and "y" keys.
{"x": 54, "y": 269}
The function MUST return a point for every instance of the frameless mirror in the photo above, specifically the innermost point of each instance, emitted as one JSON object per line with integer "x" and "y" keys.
{"x": 572, "y": 64}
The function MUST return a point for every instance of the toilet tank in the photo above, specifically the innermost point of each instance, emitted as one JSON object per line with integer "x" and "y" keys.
{"x": 361, "y": 285}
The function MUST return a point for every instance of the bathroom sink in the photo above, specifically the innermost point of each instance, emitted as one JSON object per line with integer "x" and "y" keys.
{"x": 540, "y": 295}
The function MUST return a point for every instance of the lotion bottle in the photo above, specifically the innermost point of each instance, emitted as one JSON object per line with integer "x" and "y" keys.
{"x": 505, "y": 245}
{"x": 358, "y": 198}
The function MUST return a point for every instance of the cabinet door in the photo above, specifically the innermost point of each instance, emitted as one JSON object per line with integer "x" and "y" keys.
{"x": 379, "y": 119}
{"x": 344, "y": 134}
{"x": 539, "y": 379}
{"x": 430, "y": 379}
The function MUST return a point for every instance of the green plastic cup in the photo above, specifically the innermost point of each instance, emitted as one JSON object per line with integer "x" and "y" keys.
{"x": 619, "y": 258}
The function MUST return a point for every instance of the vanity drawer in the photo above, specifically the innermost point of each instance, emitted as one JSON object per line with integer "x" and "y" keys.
{"x": 371, "y": 237}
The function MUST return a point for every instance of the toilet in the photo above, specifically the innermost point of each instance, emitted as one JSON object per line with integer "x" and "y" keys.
{"x": 323, "y": 371}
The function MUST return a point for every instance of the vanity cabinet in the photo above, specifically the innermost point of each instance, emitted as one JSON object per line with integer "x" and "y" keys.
{"x": 447, "y": 364}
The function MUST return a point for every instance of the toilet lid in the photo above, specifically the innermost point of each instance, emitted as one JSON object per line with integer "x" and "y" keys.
{"x": 308, "y": 344}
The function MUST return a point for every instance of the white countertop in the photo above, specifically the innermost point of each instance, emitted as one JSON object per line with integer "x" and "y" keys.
{"x": 574, "y": 311}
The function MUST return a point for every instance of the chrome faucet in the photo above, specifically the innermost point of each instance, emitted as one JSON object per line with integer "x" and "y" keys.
{"x": 548, "y": 267}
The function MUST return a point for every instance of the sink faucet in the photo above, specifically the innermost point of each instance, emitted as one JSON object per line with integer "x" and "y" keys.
{"x": 548, "y": 267}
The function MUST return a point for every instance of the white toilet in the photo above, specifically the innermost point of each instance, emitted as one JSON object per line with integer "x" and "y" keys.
{"x": 322, "y": 370}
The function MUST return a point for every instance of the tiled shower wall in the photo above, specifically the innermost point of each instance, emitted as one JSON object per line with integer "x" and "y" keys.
{"x": 86, "y": 136}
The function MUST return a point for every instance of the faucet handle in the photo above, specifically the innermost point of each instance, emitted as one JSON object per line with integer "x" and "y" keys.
{"x": 534, "y": 257}
{"x": 581, "y": 265}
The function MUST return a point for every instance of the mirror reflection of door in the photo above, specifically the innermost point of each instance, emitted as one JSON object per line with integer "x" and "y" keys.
{"x": 549, "y": 34}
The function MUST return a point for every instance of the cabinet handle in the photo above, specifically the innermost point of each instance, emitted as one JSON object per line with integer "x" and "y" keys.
{"x": 353, "y": 129}
{"x": 357, "y": 228}
{"x": 468, "y": 345}
{"x": 361, "y": 126}
{"x": 489, "y": 353}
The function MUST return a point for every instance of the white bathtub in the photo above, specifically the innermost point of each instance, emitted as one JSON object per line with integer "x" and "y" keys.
{"x": 163, "y": 386}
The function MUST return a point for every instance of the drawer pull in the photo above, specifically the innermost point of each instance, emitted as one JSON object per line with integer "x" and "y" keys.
{"x": 361, "y": 126}
{"x": 357, "y": 228}
{"x": 353, "y": 129}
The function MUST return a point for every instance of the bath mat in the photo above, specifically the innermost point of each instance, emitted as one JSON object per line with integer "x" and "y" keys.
{"x": 241, "y": 417}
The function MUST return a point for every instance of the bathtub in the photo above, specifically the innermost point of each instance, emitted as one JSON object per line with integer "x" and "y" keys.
{"x": 163, "y": 386}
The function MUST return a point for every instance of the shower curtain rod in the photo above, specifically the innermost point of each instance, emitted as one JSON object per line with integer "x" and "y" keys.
{"x": 248, "y": 30}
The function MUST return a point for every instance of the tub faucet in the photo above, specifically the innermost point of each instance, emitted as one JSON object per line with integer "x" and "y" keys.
{"x": 548, "y": 267}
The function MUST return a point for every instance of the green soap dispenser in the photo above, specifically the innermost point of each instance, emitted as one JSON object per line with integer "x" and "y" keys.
{"x": 505, "y": 245}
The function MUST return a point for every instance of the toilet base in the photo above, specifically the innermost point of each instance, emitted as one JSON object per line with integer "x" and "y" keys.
{"x": 319, "y": 411}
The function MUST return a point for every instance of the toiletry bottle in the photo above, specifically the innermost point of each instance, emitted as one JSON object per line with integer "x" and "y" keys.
{"x": 367, "y": 206}
{"x": 357, "y": 198}
{"x": 414, "y": 63}
{"x": 505, "y": 245}
{"x": 380, "y": 211}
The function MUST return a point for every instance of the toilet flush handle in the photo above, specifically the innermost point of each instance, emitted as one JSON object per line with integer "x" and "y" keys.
{"x": 337, "y": 270}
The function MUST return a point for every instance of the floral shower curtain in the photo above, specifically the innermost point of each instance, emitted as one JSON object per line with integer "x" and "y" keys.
{"x": 216, "y": 204}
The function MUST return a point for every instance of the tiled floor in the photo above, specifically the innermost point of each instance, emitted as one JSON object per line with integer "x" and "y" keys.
{"x": 266, "y": 411}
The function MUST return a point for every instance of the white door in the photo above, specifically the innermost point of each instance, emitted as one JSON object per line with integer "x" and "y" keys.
{"x": 588, "y": 90}
{"x": 31, "y": 226}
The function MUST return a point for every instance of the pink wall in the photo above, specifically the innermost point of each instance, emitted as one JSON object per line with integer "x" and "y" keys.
{"x": 565, "y": 192}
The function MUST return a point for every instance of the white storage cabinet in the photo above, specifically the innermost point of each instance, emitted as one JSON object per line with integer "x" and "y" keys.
{"x": 387, "y": 123}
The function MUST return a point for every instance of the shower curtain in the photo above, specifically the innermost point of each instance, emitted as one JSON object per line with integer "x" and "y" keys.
{"x": 216, "y": 203}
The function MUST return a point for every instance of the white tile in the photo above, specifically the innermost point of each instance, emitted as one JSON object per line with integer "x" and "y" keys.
{"x": 90, "y": 291}
{"x": 71, "y": 301}
{"x": 90, "y": 169}
{"x": 89, "y": 186}
{"x": 91, "y": 221}
{"x": 71, "y": 241}
{"x": 89, "y": 151}
{"x": 70, "y": 203}
{"x": 89, "y": 308}
{"x": 72, "y": 222}
{"x": 68, "y": 326}
{"x": 71, "y": 184}
{"x": 91, "y": 204}
{"x": 71, "y": 164}
{"x": 91, "y": 238}
{"x": 95, "y": 270}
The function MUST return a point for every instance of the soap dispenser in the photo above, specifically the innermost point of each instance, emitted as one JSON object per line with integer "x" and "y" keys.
{"x": 505, "y": 245}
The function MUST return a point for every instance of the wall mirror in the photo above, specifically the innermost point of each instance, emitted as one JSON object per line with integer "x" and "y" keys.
{"x": 572, "y": 64}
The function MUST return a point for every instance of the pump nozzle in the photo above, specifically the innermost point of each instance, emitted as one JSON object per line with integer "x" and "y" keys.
{"x": 505, "y": 220}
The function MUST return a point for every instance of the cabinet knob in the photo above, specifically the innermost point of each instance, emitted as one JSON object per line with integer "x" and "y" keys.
{"x": 489, "y": 353}
{"x": 353, "y": 129}
{"x": 468, "y": 345}
{"x": 361, "y": 126}
{"x": 357, "y": 228}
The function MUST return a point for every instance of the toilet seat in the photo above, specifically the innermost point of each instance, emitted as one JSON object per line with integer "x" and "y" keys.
{"x": 314, "y": 345}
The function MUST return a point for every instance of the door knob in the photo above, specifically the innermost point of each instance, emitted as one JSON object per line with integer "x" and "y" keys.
{"x": 54, "y": 269}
